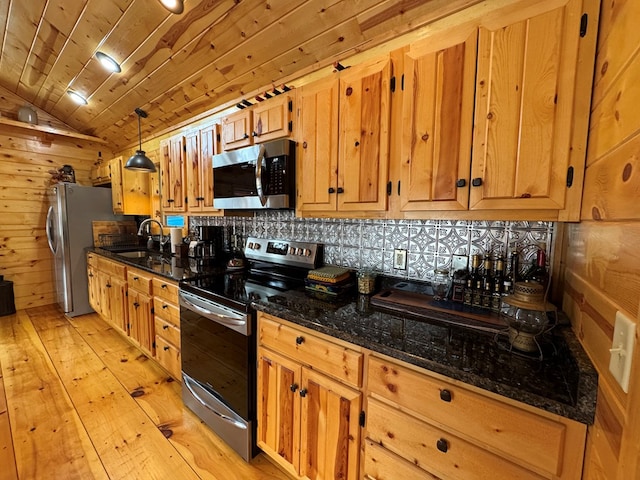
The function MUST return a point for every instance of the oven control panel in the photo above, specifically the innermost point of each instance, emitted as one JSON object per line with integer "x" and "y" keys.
{"x": 284, "y": 252}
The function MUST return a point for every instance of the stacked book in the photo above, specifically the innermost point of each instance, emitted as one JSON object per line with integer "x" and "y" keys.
{"x": 330, "y": 280}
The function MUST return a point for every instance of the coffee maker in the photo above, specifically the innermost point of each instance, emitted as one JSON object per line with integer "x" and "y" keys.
{"x": 209, "y": 247}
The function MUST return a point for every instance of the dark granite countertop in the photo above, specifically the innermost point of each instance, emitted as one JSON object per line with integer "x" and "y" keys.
{"x": 170, "y": 267}
{"x": 564, "y": 382}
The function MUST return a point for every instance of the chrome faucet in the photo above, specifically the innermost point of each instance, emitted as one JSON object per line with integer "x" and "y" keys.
{"x": 146, "y": 222}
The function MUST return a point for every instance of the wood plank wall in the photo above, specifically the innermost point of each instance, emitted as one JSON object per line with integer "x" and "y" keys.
{"x": 25, "y": 161}
{"x": 602, "y": 256}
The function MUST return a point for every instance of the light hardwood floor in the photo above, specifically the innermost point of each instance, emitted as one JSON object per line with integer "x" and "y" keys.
{"x": 77, "y": 401}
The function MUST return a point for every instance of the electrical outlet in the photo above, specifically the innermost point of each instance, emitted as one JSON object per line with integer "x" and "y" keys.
{"x": 400, "y": 259}
{"x": 624, "y": 333}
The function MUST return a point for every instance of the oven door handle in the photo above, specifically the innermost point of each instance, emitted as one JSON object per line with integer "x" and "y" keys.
{"x": 226, "y": 418}
{"x": 260, "y": 163}
{"x": 224, "y": 319}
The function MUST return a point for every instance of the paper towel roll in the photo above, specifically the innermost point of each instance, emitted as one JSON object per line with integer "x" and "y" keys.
{"x": 176, "y": 238}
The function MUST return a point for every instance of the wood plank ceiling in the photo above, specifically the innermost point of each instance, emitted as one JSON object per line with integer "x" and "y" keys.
{"x": 178, "y": 66}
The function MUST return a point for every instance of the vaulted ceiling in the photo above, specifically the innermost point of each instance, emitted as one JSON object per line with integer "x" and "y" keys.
{"x": 178, "y": 66}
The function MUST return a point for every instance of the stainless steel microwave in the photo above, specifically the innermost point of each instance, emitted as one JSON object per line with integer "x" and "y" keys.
{"x": 256, "y": 177}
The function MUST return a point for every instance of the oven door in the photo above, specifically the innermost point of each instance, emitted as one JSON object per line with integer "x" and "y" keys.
{"x": 218, "y": 368}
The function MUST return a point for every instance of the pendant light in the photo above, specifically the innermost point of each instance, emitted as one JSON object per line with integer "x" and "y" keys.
{"x": 140, "y": 162}
{"x": 174, "y": 6}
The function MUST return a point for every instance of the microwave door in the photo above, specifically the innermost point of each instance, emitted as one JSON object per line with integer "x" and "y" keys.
{"x": 261, "y": 165}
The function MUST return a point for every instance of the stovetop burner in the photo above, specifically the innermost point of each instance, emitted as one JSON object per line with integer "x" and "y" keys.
{"x": 273, "y": 266}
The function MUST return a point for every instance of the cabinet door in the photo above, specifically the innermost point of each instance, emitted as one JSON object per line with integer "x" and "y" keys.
{"x": 437, "y": 122}
{"x": 524, "y": 105}
{"x": 272, "y": 119}
{"x": 236, "y": 130}
{"x": 172, "y": 174}
{"x": 192, "y": 161}
{"x": 141, "y": 324}
{"x": 117, "y": 196}
{"x": 330, "y": 430}
{"x": 209, "y": 146}
{"x": 94, "y": 288}
{"x": 279, "y": 408}
{"x": 118, "y": 307}
{"x": 317, "y": 162}
{"x": 364, "y": 137}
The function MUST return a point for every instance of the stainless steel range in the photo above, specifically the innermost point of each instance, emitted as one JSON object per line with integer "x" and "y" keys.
{"x": 218, "y": 325}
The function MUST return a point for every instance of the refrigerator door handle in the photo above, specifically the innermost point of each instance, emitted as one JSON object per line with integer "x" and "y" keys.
{"x": 51, "y": 241}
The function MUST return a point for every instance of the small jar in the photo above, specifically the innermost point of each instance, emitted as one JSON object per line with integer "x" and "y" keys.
{"x": 366, "y": 282}
{"x": 440, "y": 284}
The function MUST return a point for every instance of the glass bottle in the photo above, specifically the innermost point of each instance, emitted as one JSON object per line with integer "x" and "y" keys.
{"x": 487, "y": 283}
{"x": 498, "y": 284}
{"x": 472, "y": 279}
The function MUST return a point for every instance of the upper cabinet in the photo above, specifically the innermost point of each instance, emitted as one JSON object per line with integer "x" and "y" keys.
{"x": 130, "y": 190}
{"x": 437, "y": 83}
{"x": 527, "y": 151}
{"x": 172, "y": 153}
{"x": 343, "y": 148}
{"x": 200, "y": 147}
{"x": 267, "y": 120}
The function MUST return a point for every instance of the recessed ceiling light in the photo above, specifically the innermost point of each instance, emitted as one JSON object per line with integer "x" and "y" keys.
{"x": 174, "y": 6}
{"x": 108, "y": 62}
{"x": 76, "y": 97}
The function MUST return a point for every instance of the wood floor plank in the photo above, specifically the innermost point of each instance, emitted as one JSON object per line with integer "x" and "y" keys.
{"x": 48, "y": 437}
{"x": 8, "y": 470}
{"x": 160, "y": 398}
{"x": 128, "y": 443}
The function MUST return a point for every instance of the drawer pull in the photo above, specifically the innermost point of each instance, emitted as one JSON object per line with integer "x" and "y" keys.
{"x": 293, "y": 387}
{"x": 299, "y": 340}
{"x": 166, "y": 348}
{"x": 135, "y": 278}
{"x": 165, "y": 306}
{"x": 442, "y": 445}
{"x": 303, "y": 392}
{"x": 445, "y": 395}
{"x": 165, "y": 327}
{"x": 163, "y": 286}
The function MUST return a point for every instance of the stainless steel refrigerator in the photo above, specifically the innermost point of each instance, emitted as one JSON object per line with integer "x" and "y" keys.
{"x": 72, "y": 208}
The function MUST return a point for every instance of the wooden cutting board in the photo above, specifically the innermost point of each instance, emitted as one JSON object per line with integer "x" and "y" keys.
{"x": 106, "y": 232}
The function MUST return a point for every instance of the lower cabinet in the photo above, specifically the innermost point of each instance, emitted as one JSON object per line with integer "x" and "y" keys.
{"x": 110, "y": 292}
{"x": 141, "y": 327}
{"x": 307, "y": 421}
{"x": 167, "y": 326}
{"x": 447, "y": 430}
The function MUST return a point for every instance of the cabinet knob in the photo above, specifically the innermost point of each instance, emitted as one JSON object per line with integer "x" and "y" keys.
{"x": 476, "y": 182}
{"x": 136, "y": 304}
{"x": 293, "y": 387}
{"x": 357, "y": 144}
{"x": 135, "y": 278}
{"x": 299, "y": 340}
{"x": 442, "y": 445}
{"x": 90, "y": 275}
{"x": 332, "y": 190}
{"x": 108, "y": 285}
{"x": 445, "y": 395}
{"x": 303, "y": 392}
{"x": 165, "y": 327}
{"x": 165, "y": 306}
{"x": 255, "y": 134}
{"x": 163, "y": 286}
{"x": 246, "y": 135}
{"x": 304, "y": 144}
{"x": 340, "y": 190}
{"x": 170, "y": 200}
{"x": 461, "y": 183}
{"x": 166, "y": 348}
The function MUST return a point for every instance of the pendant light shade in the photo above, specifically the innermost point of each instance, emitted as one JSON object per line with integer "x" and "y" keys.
{"x": 174, "y": 6}
{"x": 139, "y": 161}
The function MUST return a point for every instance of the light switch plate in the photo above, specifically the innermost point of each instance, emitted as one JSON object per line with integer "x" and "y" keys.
{"x": 624, "y": 333}
{"x": 400, "y": 259}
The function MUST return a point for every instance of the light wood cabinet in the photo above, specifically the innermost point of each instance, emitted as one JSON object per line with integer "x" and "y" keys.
{"x": 437, "y": 91}
{"x": 236, "y": 129}
{"x": 344, "y": 141}
{"x": 272, "y": 119}
{"x": 93, "y": 282}
{"x": 308, "y": 421}
{"x": 527, "y": 151}
{"x": 167, "y": 326}
{"x": 200, "y": 147}
{"x": 100, "y": 172}
{"x": 172, "y": 174}
{"x": 141, "y": 324}
{"x": 111, "y": 292}
{"x": 452, "y": 431}
{"x": 130, "y": 191}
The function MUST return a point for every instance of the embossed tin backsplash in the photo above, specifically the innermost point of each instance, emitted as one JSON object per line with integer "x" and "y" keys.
{"x": 429, "y": 244}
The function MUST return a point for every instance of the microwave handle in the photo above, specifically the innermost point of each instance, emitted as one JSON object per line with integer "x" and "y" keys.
{"x": 260, "y": 163}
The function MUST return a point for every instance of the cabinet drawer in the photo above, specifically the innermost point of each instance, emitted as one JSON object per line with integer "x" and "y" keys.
{"x": 534, "y": 439}
{"x": 304, "y": 347}
{"x": 166, "y": 290}
{"x": 92, "y": 260}
{"x": 169, "y": 357}
{"x": 167, "y": 311}
{"x": 115, "y": 269}
{"x": 381, "y": 464}
{"x": 139, "y": 281}
{"x": 435, "y": 450}
{"x": 169, "y": 332}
